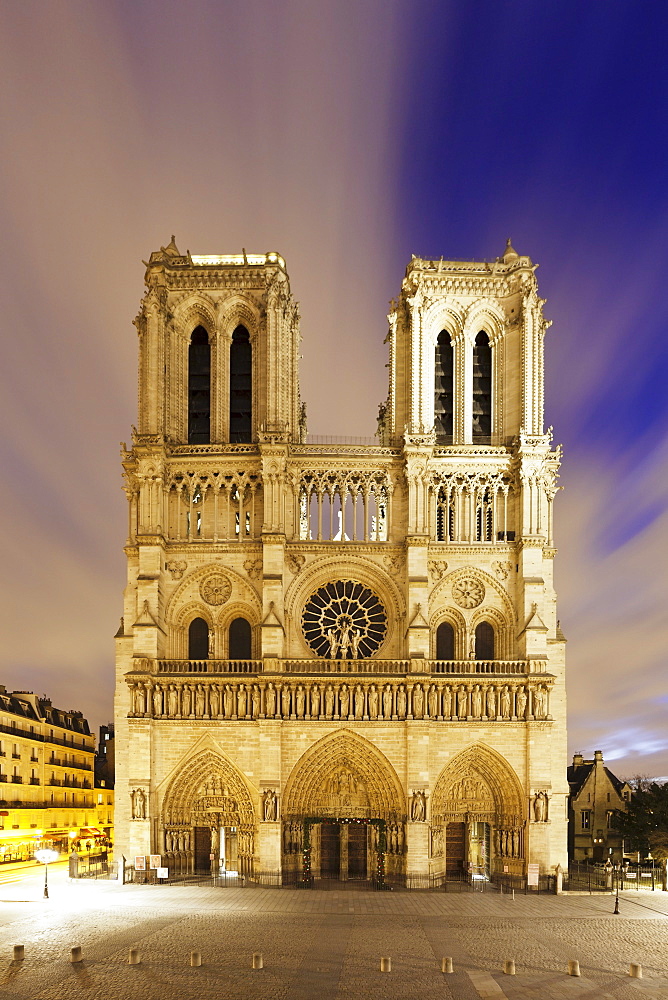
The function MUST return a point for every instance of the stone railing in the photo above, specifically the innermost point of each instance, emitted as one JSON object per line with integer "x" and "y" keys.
{"x": 313, "y": 665}
{"x": 210, "y": 666}
{"x": 340, "y": 697}
{"x": 346, "y": 666}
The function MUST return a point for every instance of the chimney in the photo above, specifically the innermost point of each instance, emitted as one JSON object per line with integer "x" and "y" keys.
{"x": 578, "y": 760}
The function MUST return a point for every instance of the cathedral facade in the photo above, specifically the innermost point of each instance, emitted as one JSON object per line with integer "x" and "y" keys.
{"x": 340, "y": 660}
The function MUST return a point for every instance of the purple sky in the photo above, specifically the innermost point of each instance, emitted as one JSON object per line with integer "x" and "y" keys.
{"x": 346, "y": 135}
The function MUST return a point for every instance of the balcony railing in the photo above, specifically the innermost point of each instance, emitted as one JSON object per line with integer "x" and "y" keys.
{"x": 315, "y": 665}
{"x": 210, "y": 666}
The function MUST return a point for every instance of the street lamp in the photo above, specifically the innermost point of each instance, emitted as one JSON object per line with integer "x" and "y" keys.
{"x": 45, "y": 856}
{"x": 616, "y": 909}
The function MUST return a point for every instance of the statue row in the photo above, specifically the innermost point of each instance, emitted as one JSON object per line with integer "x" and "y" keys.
{"x": 339, "y": 701}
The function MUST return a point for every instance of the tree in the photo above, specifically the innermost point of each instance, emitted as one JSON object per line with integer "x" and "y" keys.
{"x": 644, "y": 822}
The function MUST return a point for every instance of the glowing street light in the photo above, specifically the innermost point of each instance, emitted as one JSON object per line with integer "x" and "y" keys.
{"x": 44, "y": 857}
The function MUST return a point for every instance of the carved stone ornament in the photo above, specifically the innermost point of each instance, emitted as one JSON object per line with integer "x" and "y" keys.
{"x": 177, "y": 568}
{"x": 468, "y": 592}
{"x": 344, "y": 620}
{"x": 215, "y": 589}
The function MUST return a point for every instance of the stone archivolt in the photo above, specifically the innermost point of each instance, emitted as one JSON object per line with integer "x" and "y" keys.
{"x": 344, "y": 775}
{"x": 336, "y": 697}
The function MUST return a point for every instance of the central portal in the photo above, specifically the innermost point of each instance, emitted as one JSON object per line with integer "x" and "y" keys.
{"x": 343, "y": 851}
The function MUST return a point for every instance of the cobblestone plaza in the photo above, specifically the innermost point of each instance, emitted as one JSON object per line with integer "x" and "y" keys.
{"x": 328, "y": 944}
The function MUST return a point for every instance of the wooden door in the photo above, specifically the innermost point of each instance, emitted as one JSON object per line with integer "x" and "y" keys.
{"x": 455, "y": 848}
{"x": 357, "y": 850}
{"x": 202, "y": 849}
{"x": 330, "y": 850}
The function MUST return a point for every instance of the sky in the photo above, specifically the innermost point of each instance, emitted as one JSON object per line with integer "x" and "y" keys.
{"x": 347, "y": 136}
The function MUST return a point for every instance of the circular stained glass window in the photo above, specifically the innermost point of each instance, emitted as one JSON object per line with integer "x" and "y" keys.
{"x": 344, "y": 620}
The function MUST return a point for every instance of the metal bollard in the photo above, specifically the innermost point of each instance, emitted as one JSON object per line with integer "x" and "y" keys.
{"x": 386, "y": 965}
{"x": 509, "y": 967}
{"x": 195, "y": 959}
{"x": 635, "y": 971}
{"x": 446, "y": 965}
{"x": 258, "y": 962}
{"x": 573, "y": 967}
{"x": 513, "y": 893}
{"x": 76, "y": 955}
{"x": 133, "y": 957}
{"x": 19, "y": 952}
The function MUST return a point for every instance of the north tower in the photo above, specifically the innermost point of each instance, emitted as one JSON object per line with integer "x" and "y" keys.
{"x": 340, "y": 659}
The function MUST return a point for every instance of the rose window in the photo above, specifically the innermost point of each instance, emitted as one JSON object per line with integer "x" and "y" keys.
{"x": 344, "y": 620}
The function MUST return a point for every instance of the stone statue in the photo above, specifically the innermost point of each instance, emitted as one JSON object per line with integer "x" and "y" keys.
{"x": 344, "y": 701}
{"x": 333, "y": 643}
{"x": 505, "y": 702}
{"x": 157, "y": 701}
{"x": 447, "y": 703}
{"x": 387, "y": 701}
{"x": 401, "y": 702}
{"x": 173, "y": 700}
{"x": 462, "y": 699}
{"x": 200, "y": 701}
{"x": 540, "y": 807}
{"x": 433, "y": 702}
{"x": 315, "y": 701}
{"x": 344, "y": 642}
{"x": 540, "y": 703}
{"x": 418, "y": 701}
{"x": 214, "y": 701}
{"x": 521, "y": 702}
{"x": 242, "y": 698}
{"x": 329, "y": 701}
{"x": 476, "y": 702}
{"x": 300, "y": 699}
{"x": 418, "y": 807}
{"x": 138, "y": 801}
{"x": 255, "y": 701}
{"x": 359, "y": 702}
{"x": 491, "y": 702}
{"x": 285, "y": 701}
{"x": 269, "y": 804}
{"x": 472, "y": 648}
{"x": 373, "y": 702}
{"x": 185, "y": 701}
{"x": 139, "y": 704}
{"x": 270, "y": 701}
{"x": 215, "y": 842}
{"x": 355, "y": 637}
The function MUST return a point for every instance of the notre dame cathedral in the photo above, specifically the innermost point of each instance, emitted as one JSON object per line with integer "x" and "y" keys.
{"x": 337, "y": 660}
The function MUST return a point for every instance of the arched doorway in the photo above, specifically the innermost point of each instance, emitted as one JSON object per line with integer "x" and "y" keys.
{"x": 347, "y": 795}
{"x": 208, "y": 819}
{"x": 477, "y": 816}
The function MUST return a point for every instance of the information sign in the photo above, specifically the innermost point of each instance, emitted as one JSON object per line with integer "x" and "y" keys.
{"x": 140, "y": 863}
{"x": 532, "y": 874}
{"x": 155, "y": 861}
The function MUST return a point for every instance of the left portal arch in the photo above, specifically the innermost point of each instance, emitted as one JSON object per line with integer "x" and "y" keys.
{"x": 207, "y": 797}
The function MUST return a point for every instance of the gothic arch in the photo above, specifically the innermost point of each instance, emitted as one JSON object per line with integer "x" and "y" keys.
{"x": 487, "y": 316}
{"x": 455, "y": 618}
{"x": 178, "y": 634}
{"x": 208, "y": 782}
{"x": 193, "y": 311}
{"x": 443, "y": 590}
{"x": 502, "y": 632}
{"x": 239, "y": 311}
{"x": 478, "y": 784}
{"x": 328, "y": 568}
{"x": 304, "y": 792}
{"x": 241, "y": 590}
{"x": 442, "y": 316}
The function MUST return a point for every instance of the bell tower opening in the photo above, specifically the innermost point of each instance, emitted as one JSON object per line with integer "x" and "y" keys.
{"x": 443, "y": 388}
{"x": 241, "y": 387}
{"x": 199, "y": 388}
{"x": 482, "y": 389}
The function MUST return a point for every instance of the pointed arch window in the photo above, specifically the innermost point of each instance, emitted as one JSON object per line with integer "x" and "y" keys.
{"x": 241, "y": 387}
{"x": 444, "y": 370}
{"x": 482, "y": 389}
{"x": 199, "y": 387}
{"x": 445, "y": 642}
{"x": 198, "y": 640}
{"x": 240, "y": 639}
{"x": 484, "y": 641}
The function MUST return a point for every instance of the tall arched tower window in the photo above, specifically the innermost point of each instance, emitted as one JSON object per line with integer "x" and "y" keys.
{"x": 241, "y": 387}
{"x": 482, "y": 389}
{"x": 445, "y": 642}
{"x": 240, "y": 640}
{"x": 199, "y": 388}
{"x": 198, "y": 640}
{"x": 443, "y": 388}
{"x": 484, "y": 641}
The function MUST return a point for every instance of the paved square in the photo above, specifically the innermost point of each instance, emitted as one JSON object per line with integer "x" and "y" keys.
{"x": 327, "y": 944}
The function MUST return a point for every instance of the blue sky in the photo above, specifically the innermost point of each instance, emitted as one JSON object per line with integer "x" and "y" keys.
{"x": 347, "y": 136}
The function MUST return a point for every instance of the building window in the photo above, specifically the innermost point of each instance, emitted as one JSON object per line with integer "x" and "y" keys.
{"x": 482, "y": 389}
{"x": 445, "y": 642}
{"x": 609, "y": 819}
{"x": 241, "y": 387}
{"x": 443, "y": 388}
{"x": 585, "y": 819}
{"x": 198, "y": 640}
{"x": 240, "y": 640}
{"x": 484, "y": 641}
{"x": 199, "y": 388}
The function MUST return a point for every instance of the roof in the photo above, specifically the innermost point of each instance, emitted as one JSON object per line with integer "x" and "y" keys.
{"x": 577, "y": 777}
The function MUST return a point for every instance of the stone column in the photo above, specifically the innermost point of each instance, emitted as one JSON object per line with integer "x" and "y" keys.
{"x": 343, "y": 857}
{"x": 417, "y": 844}
{"x": 269, "y": 847}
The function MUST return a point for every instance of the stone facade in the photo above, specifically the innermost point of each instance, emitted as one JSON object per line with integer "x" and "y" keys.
{"x": 348, "y": 649}
{"x": 595, "y": 794}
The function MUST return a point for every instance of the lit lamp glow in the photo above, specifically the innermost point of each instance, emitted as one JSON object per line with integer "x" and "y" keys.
{"x": 44, "y": 857}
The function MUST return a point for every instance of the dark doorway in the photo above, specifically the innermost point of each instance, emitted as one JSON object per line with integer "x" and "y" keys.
{"x": 357, "y": 850}
{"x": 202, "y": 849}
{"x": 330, "y": 850}
{"x": 455, "y": 848}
